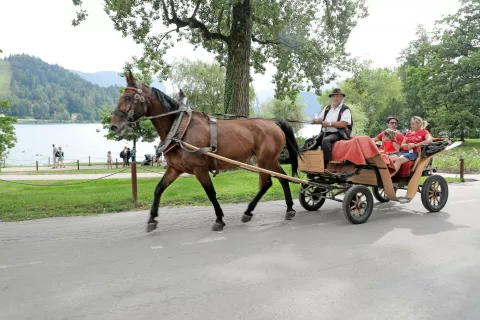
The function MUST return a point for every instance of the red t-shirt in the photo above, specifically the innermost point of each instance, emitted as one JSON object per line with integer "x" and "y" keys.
{"x": 387, "y": 145}
{"x": 416, "y": 137}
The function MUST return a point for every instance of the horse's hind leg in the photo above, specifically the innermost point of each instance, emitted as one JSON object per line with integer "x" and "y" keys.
{"x": 167, "y": 179}
{"x": 288, "y": 195}
{"x": 264, "y": 183}
{"x": 204, "y": 178}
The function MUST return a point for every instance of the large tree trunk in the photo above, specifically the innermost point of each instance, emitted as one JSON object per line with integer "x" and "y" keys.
{"x": 238, "y": 60}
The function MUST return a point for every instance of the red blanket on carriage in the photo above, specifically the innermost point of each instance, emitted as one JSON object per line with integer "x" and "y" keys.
{"x": 357, "y": 150}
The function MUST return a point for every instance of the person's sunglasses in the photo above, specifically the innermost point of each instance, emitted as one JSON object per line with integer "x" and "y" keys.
{"x": 392, "y": 122}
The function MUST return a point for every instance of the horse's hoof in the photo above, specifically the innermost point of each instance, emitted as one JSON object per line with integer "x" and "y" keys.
{"x": 218, "y": 226}
{"x": 246, "y": 218}
{"x": 151, "y": 226}
{"x": 290, "y": 214}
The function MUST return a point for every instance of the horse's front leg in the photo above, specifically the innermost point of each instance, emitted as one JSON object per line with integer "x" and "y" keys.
{"x": 170, "y": 175}
{"x": 204, "y": 178}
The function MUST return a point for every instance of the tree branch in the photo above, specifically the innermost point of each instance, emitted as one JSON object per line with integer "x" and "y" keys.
{"x": 255, "y": 39}
{"x": 195, "y": 24}
{"x": 220, "y": 18}
{"x": 165, "y": 12}
{"x": 192, "y": 23}
{"x": 196, "y": 9}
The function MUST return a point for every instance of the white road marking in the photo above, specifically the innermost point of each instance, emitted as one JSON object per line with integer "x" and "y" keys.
{"x": 206, "y": 240}
{"x": 186, "y": 243}
{"x": 263, "y": 227}
{"x": 463, "y": 201}
{"x": 313, "y": 224}
{"x": 156, "y": 247}
{"x": 5, "y": 266}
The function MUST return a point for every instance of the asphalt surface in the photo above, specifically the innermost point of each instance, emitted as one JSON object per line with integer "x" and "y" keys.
{"x": 404, "y": 263}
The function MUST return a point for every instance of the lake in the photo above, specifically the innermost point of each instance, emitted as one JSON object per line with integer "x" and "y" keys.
{"x": 79, "y": 141}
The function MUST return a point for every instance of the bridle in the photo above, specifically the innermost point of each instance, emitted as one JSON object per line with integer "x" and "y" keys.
{"x": 138, "y": 97}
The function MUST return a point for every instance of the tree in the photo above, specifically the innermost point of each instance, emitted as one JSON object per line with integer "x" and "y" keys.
{"x": 305, "y": 40}
{"x": 7, "y": 130}
{"x": 446, "y": 80}
{"x": 285, "y": 109}
{"x": 202, "y": 83}
{"x": 372, "y": 95}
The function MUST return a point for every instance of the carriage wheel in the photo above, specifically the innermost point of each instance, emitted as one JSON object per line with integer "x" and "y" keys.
{"x": 309, "y": 198}
{"x": 380, "y": 195}
{"x": 434, "y": 193}
{"x": 358, "y": 204}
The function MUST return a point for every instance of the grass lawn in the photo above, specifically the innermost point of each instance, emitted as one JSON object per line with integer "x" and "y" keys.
{"x": 450, "y": 161}
{"x": 469, "y": 144}
{"x": 85, "y": 171}
{"x": 21, "y": 202}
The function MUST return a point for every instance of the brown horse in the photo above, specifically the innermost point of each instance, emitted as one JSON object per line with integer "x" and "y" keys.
{"x": 238, "y": 139}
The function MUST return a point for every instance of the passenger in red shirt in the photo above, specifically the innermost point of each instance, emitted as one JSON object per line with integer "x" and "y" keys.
{"x": 413, "y": 140}
{"x": 390, "y": 146}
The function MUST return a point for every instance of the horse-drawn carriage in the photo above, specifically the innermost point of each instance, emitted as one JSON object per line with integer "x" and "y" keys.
{"x": 357, "y": 164}
{"x": 358, "y": 169}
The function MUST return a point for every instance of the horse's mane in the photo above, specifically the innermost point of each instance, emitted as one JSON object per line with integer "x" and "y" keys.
{"x": 168, "y": 103}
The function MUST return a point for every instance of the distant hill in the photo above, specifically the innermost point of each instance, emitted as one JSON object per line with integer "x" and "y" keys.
{"x": 49, "y": 92}
{"x": 110, "y": 78}
{"x": 313, "y": 106}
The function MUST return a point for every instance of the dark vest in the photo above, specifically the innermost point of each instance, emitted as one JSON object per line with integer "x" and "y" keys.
{"x": 342, "y": 109}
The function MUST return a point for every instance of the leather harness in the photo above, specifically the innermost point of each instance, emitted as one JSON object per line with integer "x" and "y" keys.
{"x": 178, "y": 128}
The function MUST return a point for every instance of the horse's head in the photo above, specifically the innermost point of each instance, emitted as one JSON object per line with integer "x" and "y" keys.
{"x": 132, "y": 105}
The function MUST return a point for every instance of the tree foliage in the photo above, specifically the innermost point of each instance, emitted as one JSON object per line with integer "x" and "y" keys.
{"x": 202, "y": 83}
{"x": 7, "y": 130}
{"x": 304, "y": 40}
{"x": 49, "y": 92}
{"x": 372, "y": 95}
{"x": 441, "y": 72}
{"x": 285, "y": 109}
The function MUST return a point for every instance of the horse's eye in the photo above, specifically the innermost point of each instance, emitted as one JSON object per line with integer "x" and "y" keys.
{"x": 128, "y": 98}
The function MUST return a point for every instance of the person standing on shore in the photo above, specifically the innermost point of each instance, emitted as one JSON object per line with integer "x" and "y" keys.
{"x": 60, "y": 156}
{"x": 54, "y": 156}
{"x": 109, "y": 160}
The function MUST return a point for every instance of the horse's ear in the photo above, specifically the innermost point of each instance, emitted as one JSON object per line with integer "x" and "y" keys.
{"x": 181, "y": 94}
{"x": 130, "y": 79}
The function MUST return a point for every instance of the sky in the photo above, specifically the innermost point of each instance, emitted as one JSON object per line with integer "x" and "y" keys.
{"x": 43, "y": 29}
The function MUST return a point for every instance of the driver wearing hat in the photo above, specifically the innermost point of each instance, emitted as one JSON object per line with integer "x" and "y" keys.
{"x": 335, "y": 124}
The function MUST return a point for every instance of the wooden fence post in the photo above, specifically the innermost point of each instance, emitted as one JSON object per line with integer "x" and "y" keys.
{"x": 36, "y": 164}
{"x": 78, "y": 164}
{"x": 134, "y": 181}
{"x": 89, "y": 163}
{"x": 462, "y": 169}
{"x": 116, "y": 163}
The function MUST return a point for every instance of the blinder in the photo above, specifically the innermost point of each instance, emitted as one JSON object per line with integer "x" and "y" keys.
{"x": 129, "y": 115}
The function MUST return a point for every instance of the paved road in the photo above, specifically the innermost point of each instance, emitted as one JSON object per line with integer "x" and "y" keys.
{"x": 402, "y": 264}
{"x": 26, "y": 177}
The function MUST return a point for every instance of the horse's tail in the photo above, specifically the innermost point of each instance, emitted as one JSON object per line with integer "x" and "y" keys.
{"x": 292, "y": 145}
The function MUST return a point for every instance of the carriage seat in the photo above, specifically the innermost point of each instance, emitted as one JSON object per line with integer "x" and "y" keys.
{"x": 406, "y": 169}
{"x": 409, "y": 166}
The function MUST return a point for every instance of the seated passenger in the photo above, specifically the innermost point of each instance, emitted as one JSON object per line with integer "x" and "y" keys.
{"x": 390, "y": 145}
{"x": 416, "y": 137}
{"x": 336, "y": 121}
